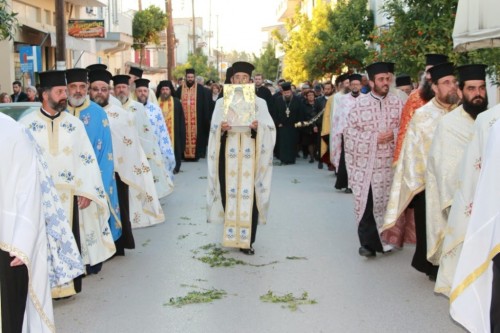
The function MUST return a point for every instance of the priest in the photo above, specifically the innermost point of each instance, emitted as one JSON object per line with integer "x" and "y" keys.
{"x": 240, "y": 170}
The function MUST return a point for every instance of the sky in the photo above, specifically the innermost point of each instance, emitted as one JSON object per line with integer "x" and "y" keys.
{"x": 240, "y": 21}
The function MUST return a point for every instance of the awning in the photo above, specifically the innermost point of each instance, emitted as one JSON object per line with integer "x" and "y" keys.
{"x": 87, "y": 3}
{"x": 476, "y": 25}
{"x": 114, "y": 42}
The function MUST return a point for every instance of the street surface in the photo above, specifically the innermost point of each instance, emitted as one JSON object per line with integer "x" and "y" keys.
{"x": 308, "y": 219}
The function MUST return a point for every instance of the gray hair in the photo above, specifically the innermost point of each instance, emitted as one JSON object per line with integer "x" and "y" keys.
{"x": 31, "y": 88}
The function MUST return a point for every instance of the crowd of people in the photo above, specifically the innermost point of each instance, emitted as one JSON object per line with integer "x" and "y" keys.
{"x": 418, "y": 158}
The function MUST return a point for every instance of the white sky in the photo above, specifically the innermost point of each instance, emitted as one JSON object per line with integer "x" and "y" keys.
{"x": 240, "y": 21}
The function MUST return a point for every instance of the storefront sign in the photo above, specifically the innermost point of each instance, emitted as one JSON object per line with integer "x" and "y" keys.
{"x": 86, "y": 28}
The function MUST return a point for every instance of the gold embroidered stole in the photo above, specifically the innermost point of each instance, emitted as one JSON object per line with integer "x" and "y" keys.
{"x": 167, "y": 108}
{"x": 188, "y": 99}
{"x": 240, "y": 173}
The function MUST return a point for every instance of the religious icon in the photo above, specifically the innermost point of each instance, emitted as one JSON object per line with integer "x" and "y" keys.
{"x": 239, "y": 104}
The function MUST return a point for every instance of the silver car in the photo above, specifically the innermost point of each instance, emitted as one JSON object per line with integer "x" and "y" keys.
{"x": 19, "y": 110}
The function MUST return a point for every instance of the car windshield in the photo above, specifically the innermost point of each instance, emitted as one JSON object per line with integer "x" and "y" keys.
{"x": 18, "y": 111}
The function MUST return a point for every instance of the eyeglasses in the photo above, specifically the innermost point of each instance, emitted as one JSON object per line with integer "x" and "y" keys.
{"x": 103, "y": 90}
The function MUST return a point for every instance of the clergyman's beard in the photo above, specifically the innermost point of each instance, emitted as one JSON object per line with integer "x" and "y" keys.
{"x": 101, "y": 100}
{"x": 474, "y": 109}
{"x": 76, "y": 101}
{"x": 122, "y": 98}
{"x": 355, "y": 93}
{"x": 426, "y": 92}
{"x": 143, "y": 100}
{"x": 381, "y": 92}
{"x": 164, "y": 97}
{"x": 347, "y": 90}
{"x": 189, "y": 83}
{"x": 58, "y": 106}
{"x": 287, "y": 98}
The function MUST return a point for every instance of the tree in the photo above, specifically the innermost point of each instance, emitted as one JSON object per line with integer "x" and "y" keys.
{"x": 343, "y": 47}
{"x": 267, "y": 64}
{"x": 146, "y": 27}
{"x": 8, "y": 21}
{"x": 199, "y": 62}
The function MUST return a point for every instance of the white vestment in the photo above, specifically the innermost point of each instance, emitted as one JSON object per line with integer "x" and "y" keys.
{"x": 248, "y": 168}
{"x": 133, "y": 167}
{"x": 470, "y": 296}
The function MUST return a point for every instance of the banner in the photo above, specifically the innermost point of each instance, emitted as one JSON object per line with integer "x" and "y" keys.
{"x": 86, "y": 28}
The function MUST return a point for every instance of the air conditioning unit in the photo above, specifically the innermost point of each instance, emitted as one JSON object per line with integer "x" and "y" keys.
{"x": 89, "y": 10}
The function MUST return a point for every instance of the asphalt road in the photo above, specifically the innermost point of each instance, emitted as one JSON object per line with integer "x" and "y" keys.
{"x": 308, "y": 219}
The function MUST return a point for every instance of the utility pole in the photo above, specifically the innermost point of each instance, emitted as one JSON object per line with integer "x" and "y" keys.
{"x": 209, "y": 28}
{"x": 170, "y": 39}
{"x": 218, "y": 50}
{"x": 60, "y": 36}
{"x": 140, "y": 5}
{"x": 194, "y": 28}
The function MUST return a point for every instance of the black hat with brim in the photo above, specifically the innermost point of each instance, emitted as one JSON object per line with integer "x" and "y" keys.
{"x": 355, "y": 77}
{"x": 165, "y": 83}
{"x": 100, "y": 75}
{"x": 433, "y": 59}
{"x": 135, "y": 71}
{"x": 51, "y": 79}
{"x": 403, "y": 80}
{"x": 96, "y": 66}
{"x": 472, "y": 72}
{"x": 141, "y": 83}
{"x": 77, "y": 75}
{"x": 243, "y": 67}
{"x": 121, "y": 79}
{"x": 441, "y": 70}
{"x": 390, "y": 67}
{"x": 377, "y": 68}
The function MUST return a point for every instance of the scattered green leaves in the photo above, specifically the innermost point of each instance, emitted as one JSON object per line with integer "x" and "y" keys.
{"x": 182, "y": 236}
{"x": 196, "y": 297}
{"x": 215, "y": 257}
{"x": 289, "y": 300}
{"x": 202, "y": 177}
{"x": 295, "y": 181}
{"x": 146, "y": 242}
{"x": 185, "y": 218}
{"x": 296, "y": 258}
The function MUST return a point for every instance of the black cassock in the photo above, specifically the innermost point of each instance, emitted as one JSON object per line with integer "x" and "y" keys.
{"x": 179, "y": 133}
{"x": 288, "y": 134}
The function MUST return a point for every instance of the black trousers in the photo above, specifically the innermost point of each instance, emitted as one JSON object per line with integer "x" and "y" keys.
{"x": 367, "y": 228}
{"x": 126, "y": 240}
{"x": 222, "y": 184}
{"x": 420, "y": 262}
{"x": 495, "y": 297}
{"x": 342, "y": 178}
{"x": 14, "y": 289}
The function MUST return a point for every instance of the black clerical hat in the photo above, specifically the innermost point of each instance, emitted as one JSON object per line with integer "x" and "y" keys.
{"x": 355, "y": 77}
{"x": 165, "y": 83}
{"x": 377, "y": 68}
{"x": 135, "y": 71}
{"x": 342, "y": 77}
{"x": 441, "y": 70}
{"x": 96, "y": 66}
{"x": 209, "y": 82}
{"x": 190, "y": 71}
{"x": 100, "y": 75}
{"x": 472, "y": 72}
{"x": 243, "y": 67}
{"x": 433, "y": 59}
{"x": 286, "y": 86}
{"x": 390, "y": 66}
{"x": 403, "y": 80}
{"x": 51, "y": 79}
{"x": 77, "y": 75}
{"x": 229, "y": 75}
{"x": 121, "y": 79}
{"x": 141, "y": 83}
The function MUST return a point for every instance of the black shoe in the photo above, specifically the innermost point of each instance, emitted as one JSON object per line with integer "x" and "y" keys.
{"x": 320, "y": 165}
{"x": 311, "y": 160}
{"x": 363, "y": 251}
{"x": 432, "y": 277}
{"x": 249, "y": 252}
{"x": 348, "y": 190}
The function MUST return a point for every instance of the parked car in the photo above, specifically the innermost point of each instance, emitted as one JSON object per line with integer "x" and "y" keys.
{"x": 19, "y": 110}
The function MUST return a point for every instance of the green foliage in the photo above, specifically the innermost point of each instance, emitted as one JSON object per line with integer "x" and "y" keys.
{"x": 296, "y": 258}
{"x": 290, "y": 301}
{"x": 146, "y": 27}
{"x": 196, "y": 297}
{"x": 343, "y": 39}
{"x": 199, "y": 62}
{"x": 8, "y": 21}
{"x": 215, "y": 257}
{"x": 267, "y": 64}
